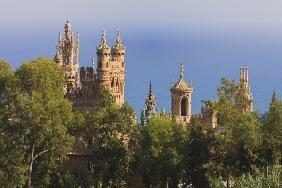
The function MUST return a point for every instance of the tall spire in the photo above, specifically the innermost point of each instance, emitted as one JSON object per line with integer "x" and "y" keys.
{"x": 118, "y": 40}
{"x": 244, "y": 97}
{"x": 150, "y": 89}
{"x": 274, "y": 97}
{"x": 150, "y": 103}
{"x": 181, "y": 71}
{"x": 118, "y": 36}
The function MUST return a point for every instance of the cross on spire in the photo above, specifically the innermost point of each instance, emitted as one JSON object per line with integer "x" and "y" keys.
{"x": 181, "y": 71}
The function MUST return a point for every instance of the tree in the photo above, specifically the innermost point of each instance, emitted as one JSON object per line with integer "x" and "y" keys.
{"x": 196, "y": 155}
{"x": 38, "y": 118}
{"x": 162, "y": 143}
{"x": 110, "y": 132}
{"x": 237, "y": 137}
{"x": 272, "y": 132}
{"x": 11, "y": 161}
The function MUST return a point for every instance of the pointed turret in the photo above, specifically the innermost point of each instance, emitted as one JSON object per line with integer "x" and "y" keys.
{"x": 150, "y": 101}
{"x": 274, "y": 97}
{"x": 104, "y": 66}
{"x": 67, "y": 56}
{"x": 150, "y": 107}
{"x": 244, "y": 98}
{"x": 103, "y": 41}
{"x": 118, "y": 44}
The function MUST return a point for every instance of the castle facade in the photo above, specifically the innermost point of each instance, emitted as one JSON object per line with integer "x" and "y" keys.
{"x": 82, "y": 83}
{"x": 181, "y": 102}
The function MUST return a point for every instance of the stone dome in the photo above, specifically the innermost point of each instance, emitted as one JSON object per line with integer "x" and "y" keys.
{"x": 181, "y": 85}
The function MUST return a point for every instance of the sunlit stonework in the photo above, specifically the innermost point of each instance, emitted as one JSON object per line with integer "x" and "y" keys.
{"x": 83, "y": 83}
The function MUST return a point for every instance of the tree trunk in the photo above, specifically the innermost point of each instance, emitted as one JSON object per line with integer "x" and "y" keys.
{"x": 30, "y": 168}
{"x": 227, "y": 180}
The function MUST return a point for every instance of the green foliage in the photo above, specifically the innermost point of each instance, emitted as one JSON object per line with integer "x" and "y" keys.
{"x": 269, "y": 177}
{"x": 11, "y": 159}
{"x": 162, "y": 152}
{"x": 237, "y": 137}
{"x": 196, "y": 154}
{"x": 38, "y": 126}
{"x": 272, "y": 133}
{"x": 111, "y": 134}
{"x": 36, "y": 117}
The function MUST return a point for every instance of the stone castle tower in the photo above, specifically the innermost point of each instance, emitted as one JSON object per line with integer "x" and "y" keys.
{"x": 111, "y": 68}
{"x": 82, "y": 84}
{"x": 244, "y": 98}
{"x": 181, "y": 98}
{"x": 67, "y": 57}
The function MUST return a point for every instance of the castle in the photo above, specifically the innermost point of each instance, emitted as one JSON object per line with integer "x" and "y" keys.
{"x": 181, "y": 102}
{"x": 83, "y": 85}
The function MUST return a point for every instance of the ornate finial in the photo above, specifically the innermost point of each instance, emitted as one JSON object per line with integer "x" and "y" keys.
{"x": 103, "y": 40}
{"x": 181, "y": 71}
{"x": 150, "y": 89}
{"x": 93, "y": 63}
{"x": 59, "y": 37}
{"x": 274, "y": 97}
{"x": 118, "y": 41}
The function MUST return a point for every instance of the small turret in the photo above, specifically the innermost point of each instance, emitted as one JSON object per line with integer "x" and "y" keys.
{"x": 118, "y": 50}
{"x": 104, "y": 66}
{"x": 67, "y": 57}
{"x": 150, "y": 102}
{"x": 58, "y": 58}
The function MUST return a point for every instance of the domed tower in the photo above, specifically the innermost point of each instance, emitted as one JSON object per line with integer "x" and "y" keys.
{"x": 181, "y": 98}
{"x": 67, "y": 57}
{"x": 118, "y": 70}
{"x": 104, "y": 65}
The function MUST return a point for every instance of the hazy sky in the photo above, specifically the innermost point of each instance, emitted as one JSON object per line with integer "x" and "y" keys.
{"x": 214, "y": 13}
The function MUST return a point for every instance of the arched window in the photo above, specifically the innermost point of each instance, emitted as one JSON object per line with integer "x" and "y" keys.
{"x": 113, "y": 82}
{"x": 184, "y": 106}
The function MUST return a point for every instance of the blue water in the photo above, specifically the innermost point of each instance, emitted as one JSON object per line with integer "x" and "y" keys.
{"x": 154, "y": 54}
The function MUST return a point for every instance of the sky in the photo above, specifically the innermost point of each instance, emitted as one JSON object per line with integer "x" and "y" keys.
{"x": 213, "y": 38}
{"x": 213, "y": 13}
